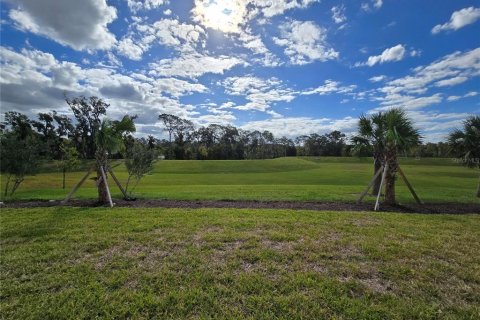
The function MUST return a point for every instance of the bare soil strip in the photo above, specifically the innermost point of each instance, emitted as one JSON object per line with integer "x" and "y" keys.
{"x": 450, "y": 208}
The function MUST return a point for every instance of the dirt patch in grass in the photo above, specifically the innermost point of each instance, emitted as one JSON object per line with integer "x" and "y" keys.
{"x": 451, "y": 208}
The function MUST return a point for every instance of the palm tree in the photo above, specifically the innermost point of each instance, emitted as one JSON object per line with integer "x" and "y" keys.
{"x": 370, "y": 137}
{"x": 399, "y": 134}
{"x": 465, "y": 144}
{"x": 108, "y": 140}
{"x": 385, "y": 134}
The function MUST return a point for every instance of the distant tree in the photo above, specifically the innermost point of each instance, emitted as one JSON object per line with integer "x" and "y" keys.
{"x": 19, "y": 150}
{"x": 139, "y": 162}
{"x": 68, "y": 158}
{"x": 465, "y": 144}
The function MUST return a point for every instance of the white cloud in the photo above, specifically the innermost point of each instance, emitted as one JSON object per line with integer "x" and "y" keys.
{"x": 338, "y": 14}
{"x": 168, "y": 32}
{"x": 453, "y": 98}
{"x": 457, "y": 64}
{"x": 296, "y": 126}
{"x": 376, "y": 4}
{"x": 329, "y": 87}
{"x": 304, "y": 42}
{"x": 467, "y": 95}
{"x": 451, "y": 81}
{"x": 459, "y": 19}
{"x": 81, "y": 25}
{"x": 193, "y": 65}
{"x": 272, "y": 8}
{"x": 260, "y": 94}
{"x": 257, "y": 46}
{"x": 136, "y": 5}
{"x": 48, "y": 79}
{"x": 230, "y": 16}
{"x": 395, "y": 53}
{"x": 378, "y": 78}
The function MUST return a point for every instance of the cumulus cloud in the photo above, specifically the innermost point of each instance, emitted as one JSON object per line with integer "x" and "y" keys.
{"x": 296, "y": 126}
{"x": 338, "y": 14}
{"x": 304, "y": 42}
{"x": 395, "y": 53}
{"x": 194, "y": 65}
{"x": 373, "y": 4}
{"x": 78, "y": 24}
{"x": 378, "y": 78}
{"x": 230, "y": 15}
{"x": 168, "y": 32}
{"x": 260, "y": 93}
{"x": 136, "y": 5}
{"x": 47, "y": 79}
{"x": 257, "y": 46}
{"x": 459, "y": 19}
{"x": 329, "y": 87}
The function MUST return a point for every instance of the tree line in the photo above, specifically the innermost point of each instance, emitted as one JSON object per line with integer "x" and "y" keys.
{"x": 89, "y": 134}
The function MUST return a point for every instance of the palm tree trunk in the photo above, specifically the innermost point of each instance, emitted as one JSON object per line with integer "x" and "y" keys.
{"x": 376, "y": 166}
{"x": 101, "y": 158}
{"x": 392, "y": 161}
{"x": 478, "y": 189}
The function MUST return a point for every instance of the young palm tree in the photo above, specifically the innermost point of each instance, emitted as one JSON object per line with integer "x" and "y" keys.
{"x": 370, "y": 136}
{"x": 108, "y": 140}
{"x": 465, "y": 144}
{"x": 386, "y": 134}
{"x": 399, "y": 135}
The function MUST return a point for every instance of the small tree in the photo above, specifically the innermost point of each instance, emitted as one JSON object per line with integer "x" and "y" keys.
{"x": 69, "y": 158}
{"x": 109, "y": 140}
{"x": 465, "y": 144}
{"x": 18, "y": 158}
{"x": 139, "y": 162}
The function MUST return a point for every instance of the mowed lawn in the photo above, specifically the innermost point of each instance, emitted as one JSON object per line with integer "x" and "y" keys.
{"x": 85, "y": 263}
{"x": 296, "y": 179}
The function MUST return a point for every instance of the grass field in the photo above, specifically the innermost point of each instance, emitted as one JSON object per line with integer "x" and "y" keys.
{"x": 60, "y": 263}
{"x": 297, "y": 179}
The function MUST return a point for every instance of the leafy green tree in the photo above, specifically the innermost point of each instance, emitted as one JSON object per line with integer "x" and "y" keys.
{"x": 88, "y": 113}
{"x": 19, "y": 151}
{"x": 69, "y": 158}
{"x": 109, "y": 139}
{"x": 139, "y": 162}
{"x": 465, "y": 144}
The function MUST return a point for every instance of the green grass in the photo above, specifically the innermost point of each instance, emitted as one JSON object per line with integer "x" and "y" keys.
{"x": 63, "y": 263}
{"x": 297, "y": 179}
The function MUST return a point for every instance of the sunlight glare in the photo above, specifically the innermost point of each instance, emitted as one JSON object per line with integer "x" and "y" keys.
{"x": 222, "y": 15}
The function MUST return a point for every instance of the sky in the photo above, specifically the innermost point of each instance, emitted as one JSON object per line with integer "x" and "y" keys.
{"x": 292, "y": 67}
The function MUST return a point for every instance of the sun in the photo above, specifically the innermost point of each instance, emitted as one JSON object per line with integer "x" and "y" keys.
{"x": 221, "y": 15}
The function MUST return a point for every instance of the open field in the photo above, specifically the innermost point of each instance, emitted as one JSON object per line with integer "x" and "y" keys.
{"x": 59, "y": 263}
{"x": 296, "y": 179}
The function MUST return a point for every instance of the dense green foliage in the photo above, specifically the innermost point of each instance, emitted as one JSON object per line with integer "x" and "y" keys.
{"x": 62, "y": 263}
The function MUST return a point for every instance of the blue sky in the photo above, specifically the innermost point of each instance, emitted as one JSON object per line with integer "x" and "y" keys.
{"x": 289, "y": 66}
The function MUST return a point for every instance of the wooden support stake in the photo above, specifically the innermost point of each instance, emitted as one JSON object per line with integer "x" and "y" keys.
{"x": 72, "y": 192}
{"x": 409, "y": 186}
{"x": 377, "y": 203}
{"x": 370, "y": 184}
{"x": 118, "y": 183}
{"x": 106, "y": 186}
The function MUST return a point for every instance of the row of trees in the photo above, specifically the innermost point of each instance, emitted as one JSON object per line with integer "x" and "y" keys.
{"x": 89, "y": 134}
